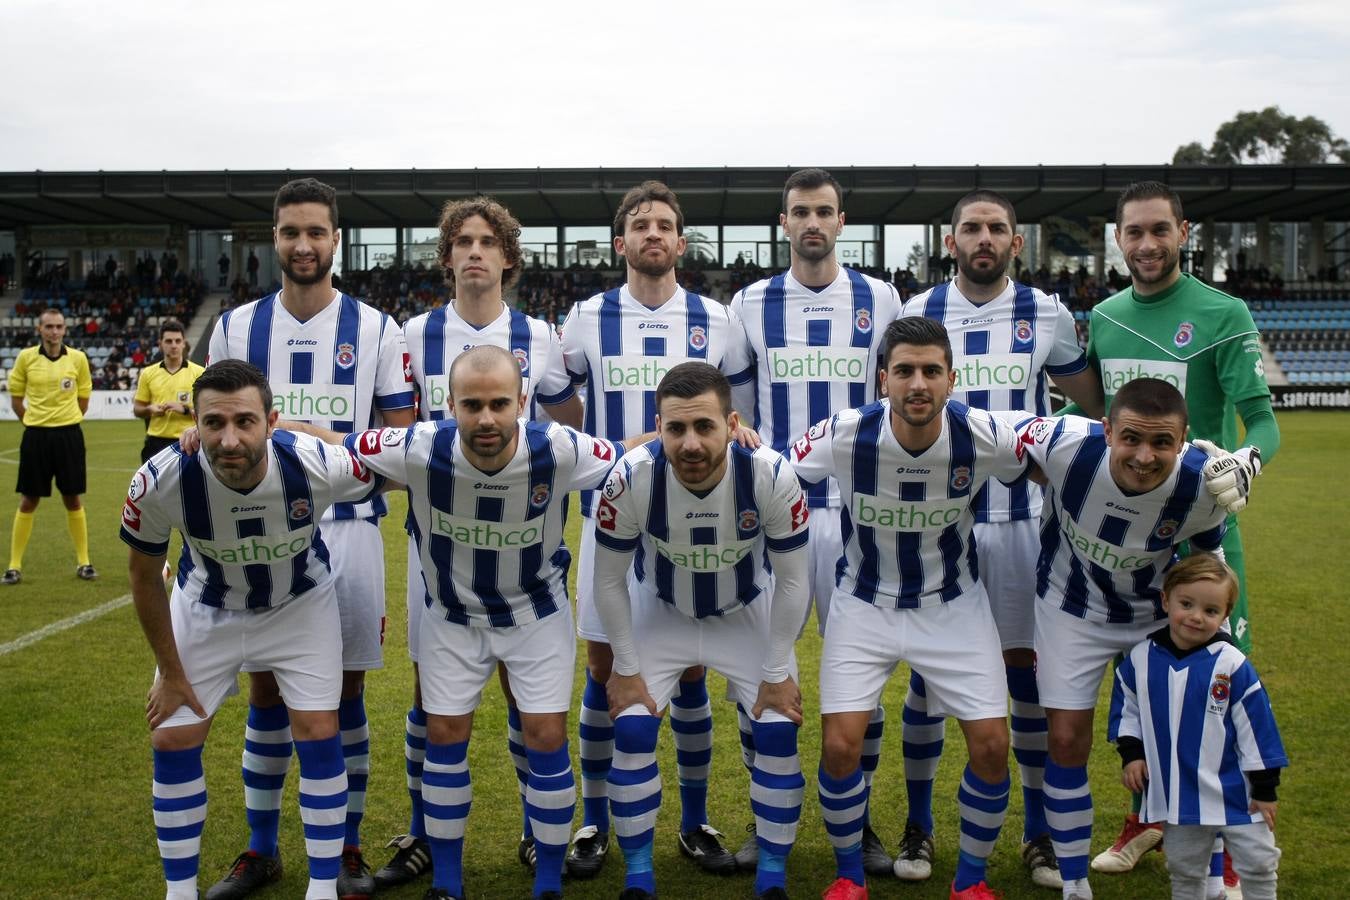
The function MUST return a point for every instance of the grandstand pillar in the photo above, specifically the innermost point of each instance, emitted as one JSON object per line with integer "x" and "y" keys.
{"x": 1317, "y": 238}
{"x": 1043, "y": 246}
{"x": 562, "y": 248}
{"x": 935, "y": 231}
{"x": 398, "y": 248}
{"x": 237, "y": 256}
{"x": 1207, "y": 248}
{"x": 75, "y": 263}
{"x": 1290, "y": 250}
{"x": 1263, "y": 240}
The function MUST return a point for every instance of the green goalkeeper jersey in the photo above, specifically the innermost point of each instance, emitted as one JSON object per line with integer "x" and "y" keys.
{"x": 1191, "y": 335}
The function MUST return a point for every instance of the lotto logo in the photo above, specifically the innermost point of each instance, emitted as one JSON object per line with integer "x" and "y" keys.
{"x": 605, "y": 514}
{"x": 361, "y": 472}
{"x": 603, "y": 450}
{"x": 369, "y": 441}
{"x": 407, "y": 368}
{"x": 131, "y": 516}
{"x": 801, "y": 447}
{"x": 799, "y": 512}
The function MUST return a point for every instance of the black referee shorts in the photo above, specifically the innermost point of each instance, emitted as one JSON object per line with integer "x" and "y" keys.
{"x": 155, "y": 444}
{"x": 47, "y": 453}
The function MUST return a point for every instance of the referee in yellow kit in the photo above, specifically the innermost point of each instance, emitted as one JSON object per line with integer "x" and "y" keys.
{"x": 164, "y": 391}
{"x": 49, "y": 388}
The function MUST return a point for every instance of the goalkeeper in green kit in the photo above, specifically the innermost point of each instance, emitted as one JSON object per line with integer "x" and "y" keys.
{"x": 1172, "y": 326}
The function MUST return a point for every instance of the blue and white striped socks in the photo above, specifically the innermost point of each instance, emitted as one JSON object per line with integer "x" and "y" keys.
{"x": 983, "y": 807}
{"x": 550, "y": 799}
{"x": 267, "y": 757}
{"x": 595, "y": 745}
{"x": 447, "y": 795}
{"x": 635, "y": 795}
{"x": 776, "y": 789}
{"x": 179, "y": 801}
{"x": 323, "y": 810}
{"x": 691, "y": 723}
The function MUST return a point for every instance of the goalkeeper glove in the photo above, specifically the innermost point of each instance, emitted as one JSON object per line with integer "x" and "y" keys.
{"x": 1228, "y": 476}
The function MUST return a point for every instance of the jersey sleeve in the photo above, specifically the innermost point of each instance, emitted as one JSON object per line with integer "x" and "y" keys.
{"x": 1039, "y": 435}
{"x": 219, "y": 346}
{"x": 18, "y": 376}
{"x": 384, "y": 450}
{"x": 785, "y": 519}
{"x": 1124, "y": 719}
{"x": 1007, "y": 461}
{"x": 145, "y": 527}
{"x": 143, "y": 385}
{"x": 595, "y": 458}
{"x": 617, "y": 526}
{"x": 737, "y": 363}
{"x": 393, "y": 374}
{"x": 812, "y": 454}
{"x": 84, "y": 381}
{"x": 573, "y": 347}
{"x": 1257, "y": 740}
{"x": 1238, "y": 363}
{"x": 555, "y": 385}
{"x": 348, "y": 480}
{"x": 1066, "y": 356}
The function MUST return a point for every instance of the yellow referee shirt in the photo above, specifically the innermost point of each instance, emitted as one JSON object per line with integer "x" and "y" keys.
{"x": 157, "y": 385}
{"x": 51, "y": 388}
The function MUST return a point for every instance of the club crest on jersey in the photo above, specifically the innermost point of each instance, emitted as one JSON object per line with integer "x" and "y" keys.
{"x": 1167, "y": 529}
{"x": 299, "y": 509}
{"x": 523, "y": 358}
{"x": 1022, "y": 330}
{"x": 960, "y": 478}
{"x": 1185, "y": 332}
{"x": 183, "y": 396}
{"x": 748, "y": 520}
{"x": 539, "y": 495}
{"x": 698, "y": 338}
{"x": 346, "y": 356}
{"x": 862, "y": 320}
{"x": 1219, "y": 692}
{"x": 67, "y": 384}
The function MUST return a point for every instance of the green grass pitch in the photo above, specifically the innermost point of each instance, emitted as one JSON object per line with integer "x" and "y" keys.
{"x": 75, "y": 756}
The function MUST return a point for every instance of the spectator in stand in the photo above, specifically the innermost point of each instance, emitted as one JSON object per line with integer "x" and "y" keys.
{"x": 253, "y": 266}
{"x": 223, "y": 264}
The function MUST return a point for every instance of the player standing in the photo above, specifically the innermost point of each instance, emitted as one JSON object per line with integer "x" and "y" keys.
{"x": 712, "y": 533}
{"x": 254, "y": 591}
{"x": 909, "y": 468}
{"x": 815, "y": 334}
{"x": 1008, "y": 341}
{"x": 1173, "y": 326}
{"x": 479, "y": 249}
{"x": 335, "y": 361}
{"x": 620, "y": 344}
{"x": 1121, "y": 496}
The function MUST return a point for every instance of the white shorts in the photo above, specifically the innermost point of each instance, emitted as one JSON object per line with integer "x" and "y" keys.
{"x": 1008, "y": 554}
{"x": 1072, "y": 654}
{"x": 417, "y": 596}
{"x": 953, "y": 645}
{"x": 298, "y": 642}
{"x": 589, "y": 626}
{"x": 457, "y": 660}
{"x": 356, "y": 553}
{"x": 668, "y": 642}
{"x": 824, "y": 546}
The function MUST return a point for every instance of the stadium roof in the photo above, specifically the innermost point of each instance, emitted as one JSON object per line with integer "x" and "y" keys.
{"x": 373, "y": 198}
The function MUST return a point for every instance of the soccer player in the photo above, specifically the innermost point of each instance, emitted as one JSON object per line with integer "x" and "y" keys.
{"x": 335, "y": 361}
{"x": 620, "y": 344}
{"x": 1009, "y": 340}
{"x": 1170, "y": 325}
{"x": 1197, "y": 737}
{"x": 254, "y": 591}
{"x": 487, "y": 495}
{"x": 712, "y": 533}
{"x": 815, "y": 336}
{"x": 479, "y": 249}
{"x": 49, "y": 388}
{"x": 909, "y": 468}
{"x": 164, "y": 391}
{"x": 1122, "y": 495}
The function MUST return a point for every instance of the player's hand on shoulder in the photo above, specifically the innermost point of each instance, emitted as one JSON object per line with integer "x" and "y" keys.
{"x": 747, "y": 437}
{"x": 625, "y": 691}
{"x": 1228, "y": 476}
{"x": 784, "y": 697}
{"x": 189, "y": 441}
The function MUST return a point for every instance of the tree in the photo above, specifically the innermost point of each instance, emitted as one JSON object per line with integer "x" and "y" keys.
{"x": 1267, "y": 136}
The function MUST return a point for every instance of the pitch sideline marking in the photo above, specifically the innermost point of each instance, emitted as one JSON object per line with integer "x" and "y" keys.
{"x": 47, "y": 631}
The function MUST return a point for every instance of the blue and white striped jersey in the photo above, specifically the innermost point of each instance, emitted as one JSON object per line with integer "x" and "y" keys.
{"x": 248, "y": 550}
{"x": 906, "y": 520}
{"x": 1002, "y": 352}
{"x": 491, "y": 544}
{"x": 1204, "y": 720}
{"x": 334, "y": 370}
{"x": 437, "y": 337}
{"x": 814, "y": 352}
{"x": 1104, "y": 551}
{"x": 706, "y": 555}
{"x": 621, "y": 349}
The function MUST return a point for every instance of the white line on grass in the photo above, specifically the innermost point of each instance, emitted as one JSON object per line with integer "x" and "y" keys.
{"x": 47, "y": 631}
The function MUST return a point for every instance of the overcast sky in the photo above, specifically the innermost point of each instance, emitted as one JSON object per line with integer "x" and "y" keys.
{"x": 396, "y": 84}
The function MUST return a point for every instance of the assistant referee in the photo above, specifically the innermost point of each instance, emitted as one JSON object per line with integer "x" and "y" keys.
{"x": 164, "y": 391}
{"x": 49, "y": 388}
